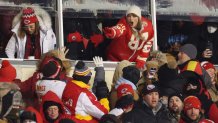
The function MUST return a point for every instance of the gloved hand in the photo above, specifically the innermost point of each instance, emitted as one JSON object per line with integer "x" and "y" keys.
{"x": 98, "y": 61}
{"x": 116, "y": 111}
{"x": 74, "y": 37}
{"x": 102, "y": 90}
{"x": 125, "y": 101}
{"x": 109, "y": 32}
{"x": 96, "y": 39}
{"x": 140, "y": 64}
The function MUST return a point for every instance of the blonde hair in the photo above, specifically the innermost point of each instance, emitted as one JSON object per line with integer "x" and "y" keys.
{"x": 22, "y": 32}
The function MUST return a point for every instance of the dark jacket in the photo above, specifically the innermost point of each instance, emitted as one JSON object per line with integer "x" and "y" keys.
{"x": 203, "y": 44}
{"x": 162, "y": 115}
{"x": 190, "y": 68}
{"x": 134, "y": 116}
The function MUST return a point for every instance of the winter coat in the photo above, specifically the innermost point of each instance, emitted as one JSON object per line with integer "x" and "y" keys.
{"x": 56, "y": 86}
{"x": 28, "y": 88}
{"x": 162, "y": 113}
{"x": 194, "y": 66}
{"x": 10, "y": 102}
{"x": 50, "y": 96}
{"x": 82, "y": 103}
{"x": 134, "y": 116}
{"x": 212, "y": 114}
{"x": 129, "y": 46}
{"x": 174, "y": 118}
{"x": 205, "y": 37}
{"x": 99, "y": 76}
{"x": 47, "y": 36}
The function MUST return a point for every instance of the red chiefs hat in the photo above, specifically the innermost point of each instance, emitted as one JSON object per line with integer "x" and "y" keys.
{"x": 29, "y": 16}
{"x": 7, "y": 72}
{"x": 191, "y": 102}
{"x": 207, "y": 65}
{"x": 124, "y": 89}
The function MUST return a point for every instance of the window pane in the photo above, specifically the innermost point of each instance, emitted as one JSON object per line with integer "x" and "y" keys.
{"x": 85, "y": 18}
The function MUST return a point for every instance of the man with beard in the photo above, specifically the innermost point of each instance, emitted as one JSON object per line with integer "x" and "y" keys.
{"x": 132, "y": 38}
{"x": 192, "y": 112}
{"x": 175, "y": 106}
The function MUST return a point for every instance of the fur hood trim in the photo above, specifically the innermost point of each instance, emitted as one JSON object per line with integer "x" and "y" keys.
{"x": 42, "y": 16}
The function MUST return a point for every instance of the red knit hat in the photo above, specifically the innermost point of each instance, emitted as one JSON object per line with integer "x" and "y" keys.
{"x": 7, "y": 72}
{"x": 124, "y": 89}
{"x": 191, "y": 102}
{"x": 29, "y": 16}
{"x": 207, "y": 65}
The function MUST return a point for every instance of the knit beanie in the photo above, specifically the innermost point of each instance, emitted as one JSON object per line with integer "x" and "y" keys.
{"x": 28, "y": 16}
{"x": 82, "y": 72}
{"x": 7, "y": 72}
{"x": 135, "y": 10}
{"x": 131, "y": 73}
{"x": 179, "y": 95}
{"x": 207, "y": 65}
{"x": 124, "y": 89}
{"x": 51, "y": 67}
{"x": 190, "y": 50}
{"x": 191, "y": 102}
{"x": 149, "y": 88}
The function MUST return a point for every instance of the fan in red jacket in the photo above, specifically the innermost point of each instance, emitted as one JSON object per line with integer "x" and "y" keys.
{"x": 80, "y": 101}
{"x": 52, "y": 108}
{"x": 132, "y": 38}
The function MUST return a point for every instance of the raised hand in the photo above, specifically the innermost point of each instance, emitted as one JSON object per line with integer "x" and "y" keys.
{"x": 62, "y": 52}
{"x": 98, "y": 61}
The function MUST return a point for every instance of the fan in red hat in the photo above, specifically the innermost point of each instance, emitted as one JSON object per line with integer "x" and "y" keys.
{"x": 29, "y": 16}
{"x": 211, "y": 70}
{"x": 191, "y": 110}
{"x": 7, "y": 72}
{"x": 124, "y": 89}
{"x": 32, "y": 34}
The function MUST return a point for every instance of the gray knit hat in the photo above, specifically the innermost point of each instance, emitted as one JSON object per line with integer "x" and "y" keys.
{"x": 190, "y": 50}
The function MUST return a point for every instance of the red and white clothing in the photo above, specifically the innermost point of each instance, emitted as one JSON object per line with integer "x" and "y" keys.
{"x": 82, "y": 103}
{"x": 130, "y": 44}
{"x": 51, "y": 96}
{"x": 56, "y": 86}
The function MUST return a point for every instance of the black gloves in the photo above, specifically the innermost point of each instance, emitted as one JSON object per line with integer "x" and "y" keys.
{"x": 125, "y": 101}
{"x": 102, "y": 90}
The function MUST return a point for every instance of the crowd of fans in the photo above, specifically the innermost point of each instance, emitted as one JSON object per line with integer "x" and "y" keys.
{"x": 158, "y": 88}
{"x": 167, "y": 90}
